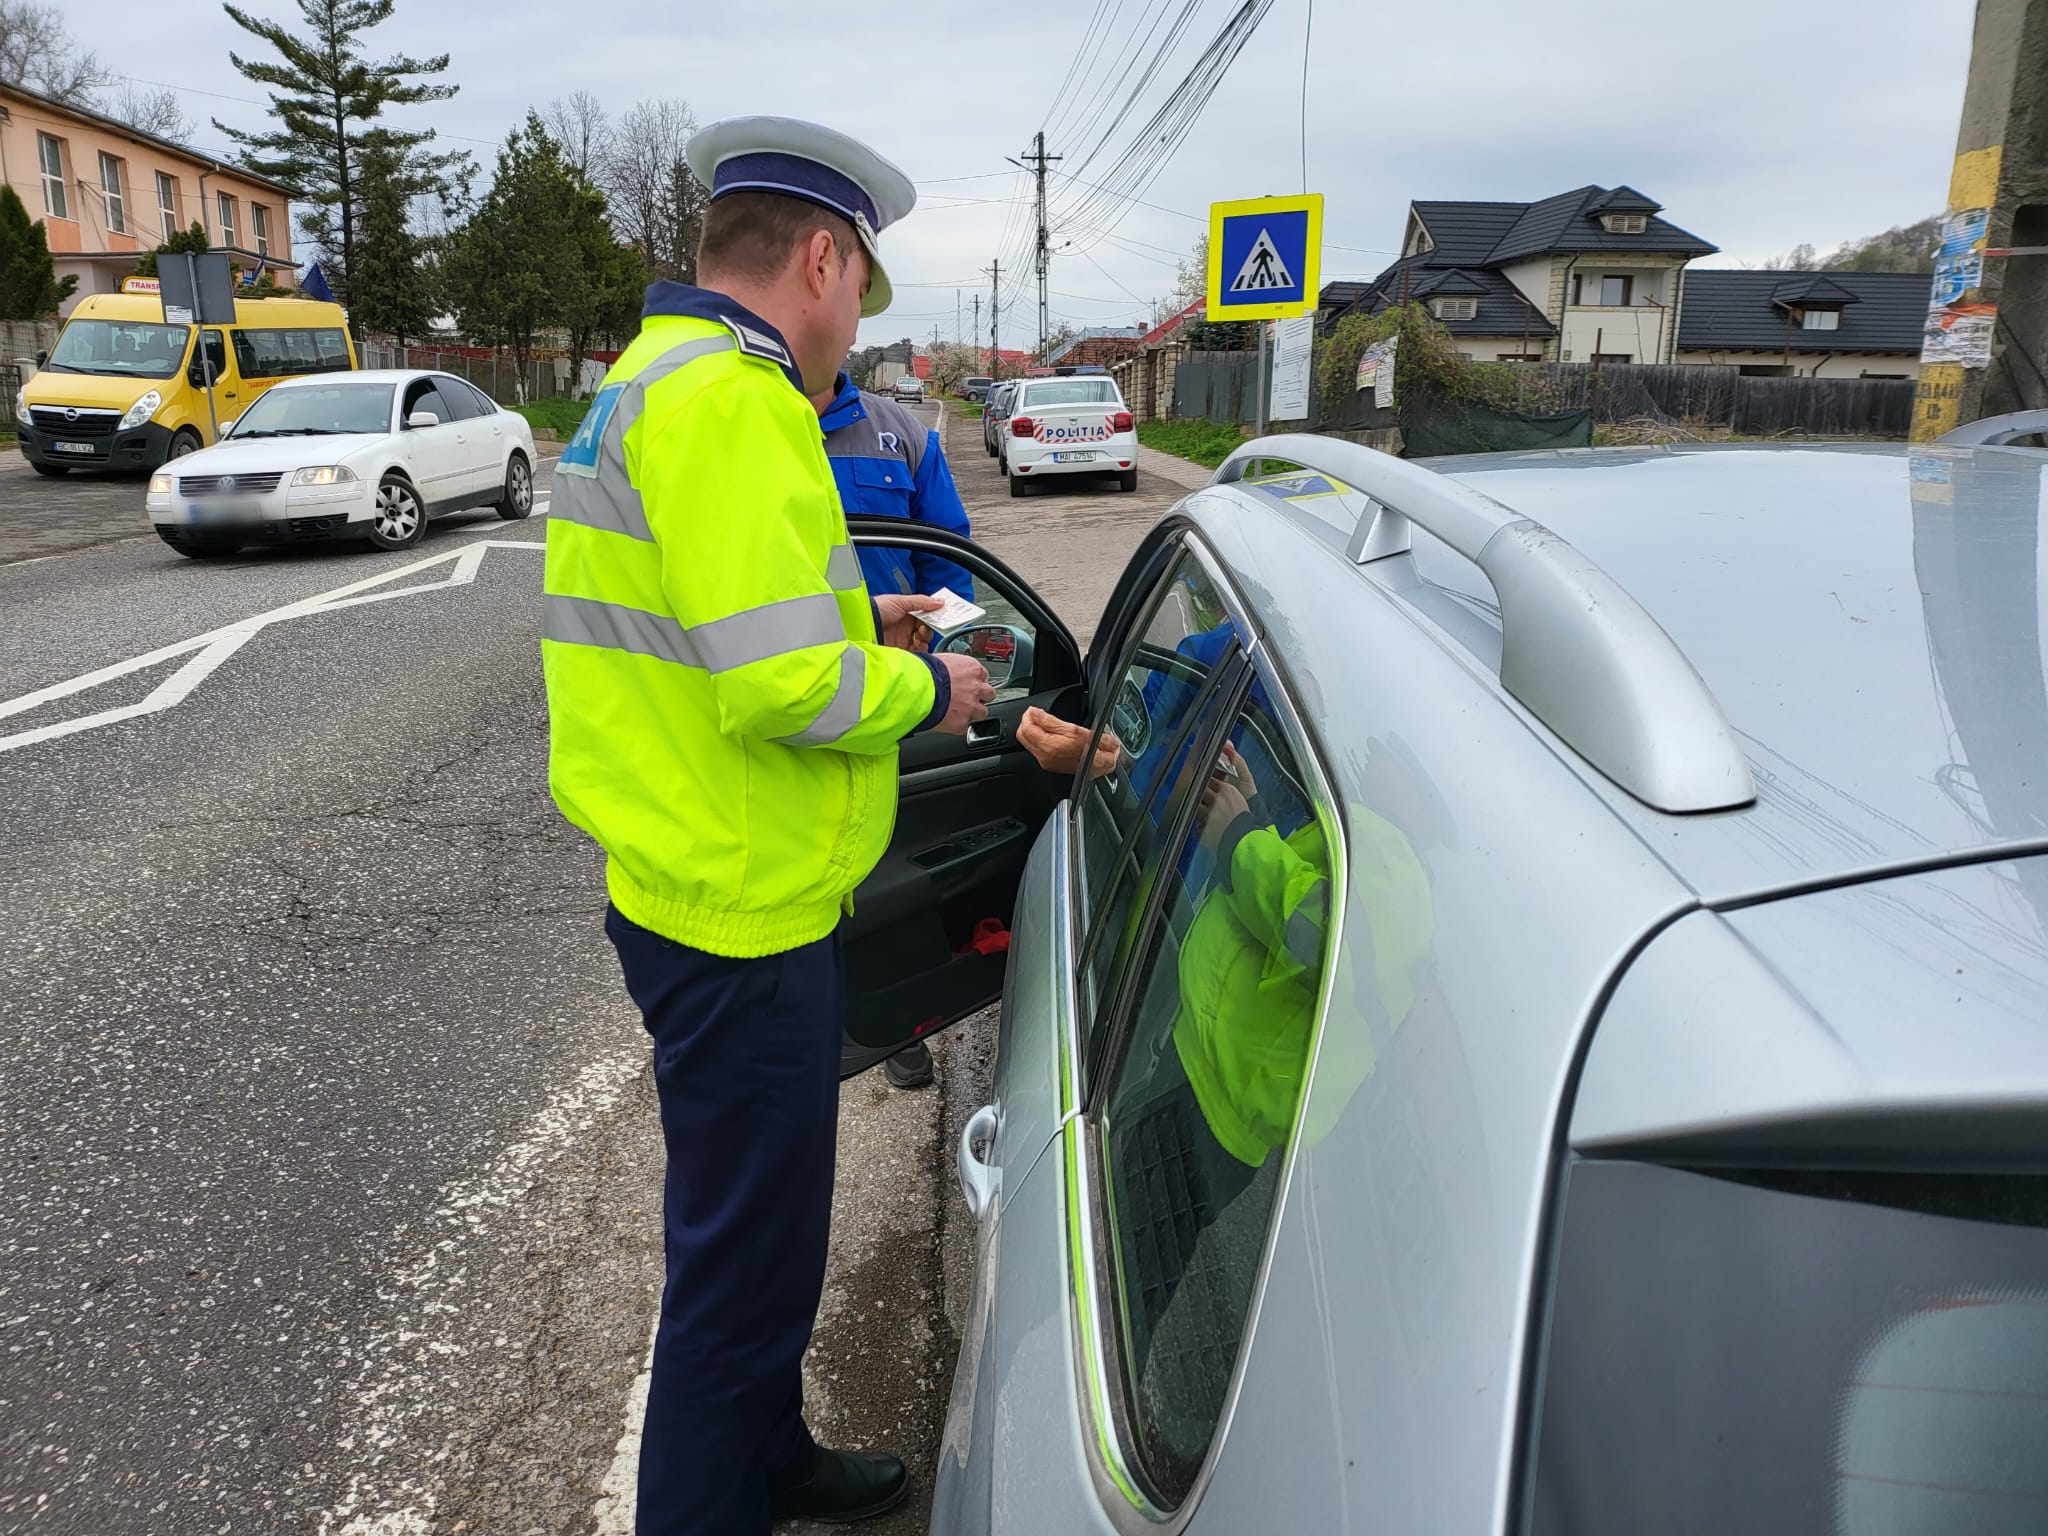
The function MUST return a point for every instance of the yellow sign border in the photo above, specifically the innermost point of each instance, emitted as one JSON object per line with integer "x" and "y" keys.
{"x": 1312, "y": 274}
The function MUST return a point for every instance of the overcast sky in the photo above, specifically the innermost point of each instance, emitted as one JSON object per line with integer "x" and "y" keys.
{"x": 1758, "y": 124}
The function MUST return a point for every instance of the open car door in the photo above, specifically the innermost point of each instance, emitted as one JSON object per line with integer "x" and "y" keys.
{"x": 926, "y": 945}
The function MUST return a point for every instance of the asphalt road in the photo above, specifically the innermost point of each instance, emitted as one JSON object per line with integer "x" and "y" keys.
{"x": 329, "y": 1171}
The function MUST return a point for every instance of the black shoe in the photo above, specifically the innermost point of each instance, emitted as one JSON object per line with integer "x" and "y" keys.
{"x": 844, "y": 1486}
{"x": 910, "y": 1067}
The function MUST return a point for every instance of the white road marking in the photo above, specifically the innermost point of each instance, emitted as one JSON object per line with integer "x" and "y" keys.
{"x": 212, "y": 649}
{"x": 619, "y": 1494}
{"x": 408, "y": 1354}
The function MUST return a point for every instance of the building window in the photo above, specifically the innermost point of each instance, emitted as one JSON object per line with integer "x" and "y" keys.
{"x": 1604, "y": 359}
{"x": 226, "y": 207}
{"x": 1763, "y": 370}
{"x": 1613, "y": 291}
{"x": 1821, "y": 320}
{"x": 259, "y": 220}
{"x": 110, "y": 185}
{"x": 1519, "y": 357}
{"x": 50, "y": 156}
{"x": 1625, "y": 223}
{"x": 1456, "y": 309}
{"x": 167, "y": 202}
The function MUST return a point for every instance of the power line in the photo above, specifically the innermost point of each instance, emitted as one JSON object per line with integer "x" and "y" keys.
{"x": 1308, "y": 31}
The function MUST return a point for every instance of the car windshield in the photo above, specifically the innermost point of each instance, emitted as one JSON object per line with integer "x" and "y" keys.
{"x": 120, "y": 348}
{"x": 1786, "y": 1351}
{"x": 317, "y": 410}
{"x": 1072, "y": 392}
{"x": 909, "y": 382}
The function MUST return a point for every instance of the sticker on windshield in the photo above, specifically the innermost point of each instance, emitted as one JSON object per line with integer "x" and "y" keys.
{"x": 579, "y": 456}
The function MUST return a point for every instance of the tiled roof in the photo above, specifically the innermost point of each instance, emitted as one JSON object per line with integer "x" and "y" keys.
{"x": 1502, "y": 310}
{"x": 1748, "y": 311}
{"x": 1097, "y": 333}
{"x": 1567, "y": 223}
{"x": 1466, "y": 232}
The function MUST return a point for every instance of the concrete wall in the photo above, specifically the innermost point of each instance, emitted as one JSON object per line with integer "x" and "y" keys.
{"x": 1822, "y": 365}
{"x": 97, "y": 240}
{"x": 1487, "y": 349}
{"x": 1533, "y": 278}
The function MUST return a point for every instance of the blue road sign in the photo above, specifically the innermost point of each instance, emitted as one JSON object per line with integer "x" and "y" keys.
{"x": 1265, "y": 257}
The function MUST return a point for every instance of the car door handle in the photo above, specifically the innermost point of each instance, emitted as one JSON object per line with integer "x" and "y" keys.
{"x": 982, "y": 732}
{"x": 979, "y": 1180}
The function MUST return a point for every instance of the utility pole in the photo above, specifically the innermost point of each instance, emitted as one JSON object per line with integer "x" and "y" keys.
{"x": 1039, "y": 160}
{"x": 974, "y": 335}
{"x": 956, "y": 314}
{"x": 1987, "y": 347}
{"x": 995, "y": 310}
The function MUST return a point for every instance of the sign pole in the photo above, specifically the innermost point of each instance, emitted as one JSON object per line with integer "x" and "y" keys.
{"x": 1259, "y": 418}
{"x": 205, "y": 363}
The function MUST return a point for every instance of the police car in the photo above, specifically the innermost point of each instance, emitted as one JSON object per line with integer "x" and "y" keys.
{"x": 1077, "y": 425}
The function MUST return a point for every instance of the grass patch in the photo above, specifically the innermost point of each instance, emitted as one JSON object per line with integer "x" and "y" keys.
{"x": 971, "y": 409}
{"x": 557, "y": 414}
{"x": 1205, "y": 442}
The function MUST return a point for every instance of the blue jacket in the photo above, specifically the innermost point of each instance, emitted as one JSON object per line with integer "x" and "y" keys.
{"x": 889, "y": 464}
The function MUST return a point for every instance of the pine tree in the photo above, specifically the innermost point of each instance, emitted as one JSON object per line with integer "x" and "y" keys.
{"x": 389, "y": 289}
{"x": 193, "y": 240}
{"x": 512, "y": 270}
{"x": 29, "y": 287}
{"x": 326, "y": 99}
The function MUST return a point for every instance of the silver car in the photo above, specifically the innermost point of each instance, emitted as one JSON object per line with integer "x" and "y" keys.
{"x": 1544, "y": 1027}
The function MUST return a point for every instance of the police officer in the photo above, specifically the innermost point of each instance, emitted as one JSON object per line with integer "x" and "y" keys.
{"x": 889, "y": 464}
{"x": 725, "y": 702}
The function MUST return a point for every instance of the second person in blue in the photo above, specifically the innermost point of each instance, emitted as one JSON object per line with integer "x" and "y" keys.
{"x": 889, "y": 464}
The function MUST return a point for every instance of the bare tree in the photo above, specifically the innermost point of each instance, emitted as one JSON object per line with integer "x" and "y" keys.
{"x": 656, "y": 203}
{"x": 583, "y": 130}
{"x": 37, "y": 52}
{"x": 157, "y": 112}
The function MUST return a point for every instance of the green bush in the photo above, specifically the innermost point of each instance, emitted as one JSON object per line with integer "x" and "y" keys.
{"x": 1205, "y": 442}
{"x": 557, "y": 414}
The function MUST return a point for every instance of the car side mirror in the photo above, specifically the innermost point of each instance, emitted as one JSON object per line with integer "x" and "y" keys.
{"x": 42, "y": 359}
{"x": 197, "y": 375}
{"x": 1003, "y": 648}
{"x": 226, "y": 428}
{"x": 422, "y": 419}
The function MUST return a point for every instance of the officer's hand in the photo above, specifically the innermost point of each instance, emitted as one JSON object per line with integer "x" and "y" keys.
{"x": 1222, "y": 804}
{"x": 899, "y": 619}
{"x": 972, "y": 693}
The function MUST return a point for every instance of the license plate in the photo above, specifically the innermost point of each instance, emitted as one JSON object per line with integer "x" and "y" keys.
{"x": 74, "y": 448}
{"x": 220, "y": 512}
{"x": 1073, "y": 458}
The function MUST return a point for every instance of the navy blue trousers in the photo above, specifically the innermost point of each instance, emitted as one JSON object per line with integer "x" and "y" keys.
{"x": 746, "y": 1064}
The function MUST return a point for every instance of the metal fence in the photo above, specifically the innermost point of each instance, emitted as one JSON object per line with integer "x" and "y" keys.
{"x": 1218, "y": 386}
{"x": 494, "y": 373}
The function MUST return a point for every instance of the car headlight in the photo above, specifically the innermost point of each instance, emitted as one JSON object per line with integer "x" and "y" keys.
{"x": 21, "y": 409}
{"x": 324, "y": 474}
{"x": 160, "y": 483}
{"x": 142, "y": 410}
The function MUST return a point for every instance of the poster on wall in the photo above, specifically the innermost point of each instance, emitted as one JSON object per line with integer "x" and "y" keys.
{"x": 1959, "y": 333}
{"x": 1963, "y": 231}
{"x": 1293, "y": 342}
{"x": 1376, "y": 371}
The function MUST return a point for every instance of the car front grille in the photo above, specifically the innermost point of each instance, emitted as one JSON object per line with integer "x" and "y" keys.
{"x": 243, "y": 485}
{"x": 80, "y": 423}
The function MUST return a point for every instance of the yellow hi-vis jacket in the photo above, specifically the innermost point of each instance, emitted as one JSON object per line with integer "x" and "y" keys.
{"x": 722, "y": 720}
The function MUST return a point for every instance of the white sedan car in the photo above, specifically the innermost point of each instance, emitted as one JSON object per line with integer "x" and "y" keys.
{"x": 369, "y": 455}
{"x": 1077, "y": 425}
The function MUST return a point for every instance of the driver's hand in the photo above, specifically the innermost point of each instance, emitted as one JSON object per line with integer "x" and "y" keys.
{"x": 900, "y": 627}
{"x": 1058, "y": 745}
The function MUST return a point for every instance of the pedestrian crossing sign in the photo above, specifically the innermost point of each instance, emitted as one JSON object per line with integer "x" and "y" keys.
{"x": 1265, "y": 257}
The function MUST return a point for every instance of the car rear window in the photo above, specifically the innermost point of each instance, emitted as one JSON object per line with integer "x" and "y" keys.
{"x": 1795, "y": 1351}
{"x": 1072, "y": 392}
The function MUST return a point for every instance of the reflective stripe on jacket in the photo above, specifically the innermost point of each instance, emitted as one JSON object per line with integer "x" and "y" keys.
{"x": 890, "y": 464}
{"x": 722, "y": 720}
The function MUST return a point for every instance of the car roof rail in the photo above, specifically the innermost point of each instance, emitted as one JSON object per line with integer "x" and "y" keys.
{"x": 1994, "y": 431}
{"x": 1580, "y": 654}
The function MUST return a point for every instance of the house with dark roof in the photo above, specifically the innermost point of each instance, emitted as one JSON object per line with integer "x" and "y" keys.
{"x": 1592, "y": 272}
{"x": 1822, "y": 324}
{"x": 1099, "y": 345}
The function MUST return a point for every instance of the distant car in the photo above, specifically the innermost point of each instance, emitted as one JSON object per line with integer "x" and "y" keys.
{"x": 994, "y": 412}
{"x": 1068, "y": 426}
{"x": 369, "y": 455}
{"x": 909, "y": 387}
{"x": 976, "y": 389}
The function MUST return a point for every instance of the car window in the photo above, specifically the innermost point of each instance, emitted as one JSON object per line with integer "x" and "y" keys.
{"x": 216, "y": 353}
{"x": 485, "y": 405}
{"x": 1164, "y": 699}
{"x": 1072, "y": 392}
{"x": 343, "y": 406}
{"x": 1880, "y": 1364}
{"x": 422, "y": 396}
{"x": 1202, "y": 1094}
{"x": 461, "y": 400}
{"x": 278, "y": 352}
